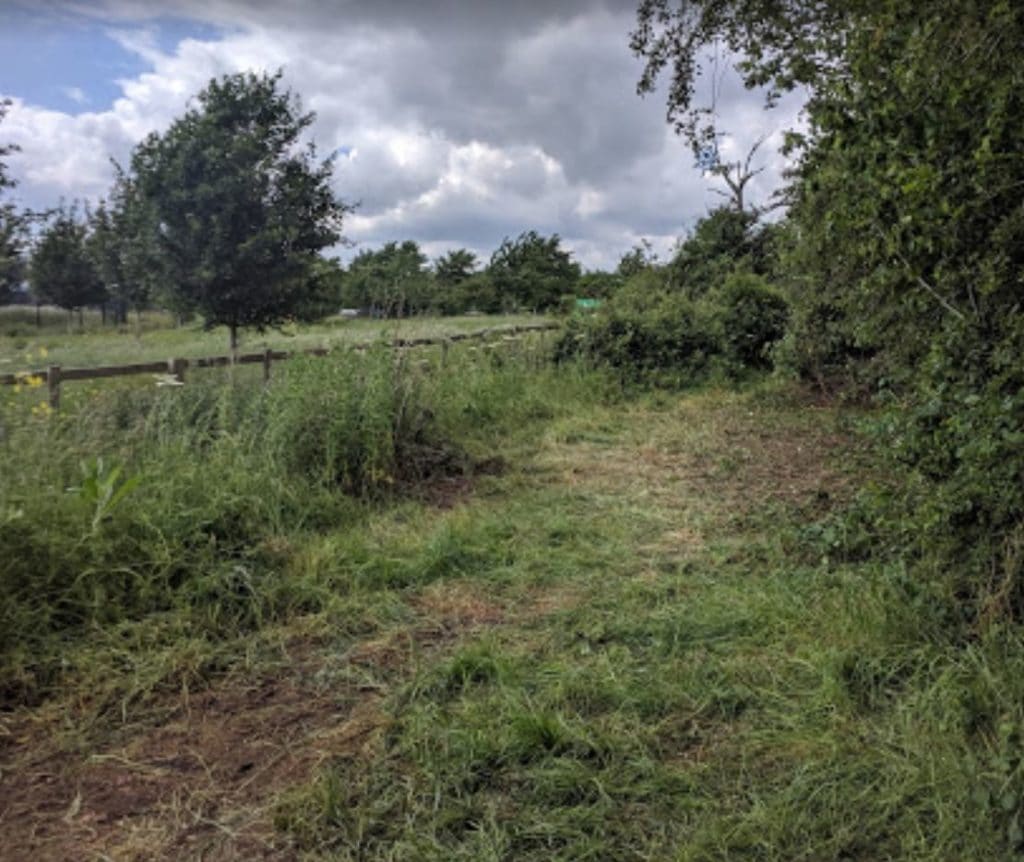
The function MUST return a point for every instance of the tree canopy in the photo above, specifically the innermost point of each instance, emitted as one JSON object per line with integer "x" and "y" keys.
{"x": 903, "y": 248}
{"x": 13, "y": 227}
{"x": 237, "y": 209}
{"x": 63, "y": 271}
{"x": 391, "y": 281}
{"x": 532, "y": 271}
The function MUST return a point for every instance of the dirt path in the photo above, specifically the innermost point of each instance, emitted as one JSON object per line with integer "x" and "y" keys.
{"x": 204, "y": 781}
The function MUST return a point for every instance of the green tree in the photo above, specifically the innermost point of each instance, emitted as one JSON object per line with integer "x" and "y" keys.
{"x": 454, "y": 267}
{"x": 532, "y": 272}
{"x": 240, "y": 211}
{"x": 458, "y": 286}
{"x": 13, "y": 227}
{"x": 391, "y": 281}
{"x": 639, "y": 258}
{"x": 62, "y": 270}
{"x": 722, "y": 242}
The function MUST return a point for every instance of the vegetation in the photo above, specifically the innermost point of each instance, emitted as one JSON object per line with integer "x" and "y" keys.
{"x": 738, "y": 576}
{"x": 63, "y": 272}
{"x": 710, "y": 310}
{"x": 158, "y": 337}
{"x": 532, "y": 272}
{"x": 13, "y": 226}
{"x": 243, "y": 214}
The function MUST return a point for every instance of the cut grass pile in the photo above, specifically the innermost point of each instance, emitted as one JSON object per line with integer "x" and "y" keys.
{"x": 632, "y": 642}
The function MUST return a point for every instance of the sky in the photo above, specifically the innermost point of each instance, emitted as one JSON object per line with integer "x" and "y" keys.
{"x": 454, "y": 123}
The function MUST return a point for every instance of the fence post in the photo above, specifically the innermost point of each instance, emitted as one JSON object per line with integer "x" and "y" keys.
{"x": 53, "y": 381}
{"x": 267, "y": 359}
{"x": 176, "y": 368}
{"x": 444, "y": 352}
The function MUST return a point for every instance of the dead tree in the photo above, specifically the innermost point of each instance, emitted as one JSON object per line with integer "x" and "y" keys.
{"x": 736, "y": 176}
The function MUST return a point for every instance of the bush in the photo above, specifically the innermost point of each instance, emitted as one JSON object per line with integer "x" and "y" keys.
{"x": 645, "y": 331}
{"x": 753, "y": 317}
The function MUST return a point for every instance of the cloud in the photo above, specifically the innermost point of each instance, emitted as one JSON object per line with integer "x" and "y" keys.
{"x": 452, "y": 124}
{"x": 76, "y": 95}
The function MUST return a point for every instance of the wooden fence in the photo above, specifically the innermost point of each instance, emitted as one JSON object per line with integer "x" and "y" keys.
{"x": 55, "y": 375}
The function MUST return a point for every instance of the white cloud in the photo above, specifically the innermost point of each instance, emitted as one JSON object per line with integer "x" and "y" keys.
{"x": 76, "y": 95}
{"x": 458, "y": 125}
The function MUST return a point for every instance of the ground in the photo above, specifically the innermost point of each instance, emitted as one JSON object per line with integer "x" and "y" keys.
{"x": 618, "y": 506}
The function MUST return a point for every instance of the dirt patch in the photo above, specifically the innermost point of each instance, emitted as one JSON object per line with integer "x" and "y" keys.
{"x": 203, "y": 784}
{"x": 198, "y": 786}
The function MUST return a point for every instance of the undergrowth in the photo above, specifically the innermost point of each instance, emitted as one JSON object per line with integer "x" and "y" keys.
{"x": 179, "y": 507}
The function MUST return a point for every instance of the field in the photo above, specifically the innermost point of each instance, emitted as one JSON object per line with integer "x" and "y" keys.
{"x": 495, "y": 610}
{"x": 22, "y": 345}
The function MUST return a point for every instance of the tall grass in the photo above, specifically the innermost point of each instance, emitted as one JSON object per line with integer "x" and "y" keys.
{"x": 220, "y": 473}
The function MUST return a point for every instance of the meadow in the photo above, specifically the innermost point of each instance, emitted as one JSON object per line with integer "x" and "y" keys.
{"x": 60, "y": 340}
{"x": 479, "y": 606}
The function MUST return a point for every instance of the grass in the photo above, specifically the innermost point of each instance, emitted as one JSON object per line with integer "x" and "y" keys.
{"x": 23, "y": 347}
{"x": 622, "y": 635}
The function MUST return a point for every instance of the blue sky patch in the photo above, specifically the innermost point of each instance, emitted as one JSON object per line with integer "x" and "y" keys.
{"x": 71, "y": 63}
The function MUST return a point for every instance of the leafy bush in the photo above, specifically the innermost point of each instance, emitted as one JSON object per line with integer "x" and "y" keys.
{"x": 752, "y": 316}
{"x": 645, "y": 331}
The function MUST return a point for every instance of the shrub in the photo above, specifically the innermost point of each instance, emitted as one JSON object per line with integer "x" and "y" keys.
{"x": 752, "y": 317}
{"x": 645, "y": 330}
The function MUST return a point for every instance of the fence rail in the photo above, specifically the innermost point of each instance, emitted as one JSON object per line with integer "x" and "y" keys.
{"x": 55, "y": 375}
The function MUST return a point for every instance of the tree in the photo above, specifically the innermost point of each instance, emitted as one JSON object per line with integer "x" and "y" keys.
{"x": 638, "y": 259}
{"x": 13, "y": 227}
{"x": 391, "y": 281}
{"x": 532, "y": 271}
{"x": 454, "y": 267}
{"x": 122, "y": 245}
{"x": 238, "y": 210}
{"x": 724, "y": 240}
{"x": 62, "y": 269}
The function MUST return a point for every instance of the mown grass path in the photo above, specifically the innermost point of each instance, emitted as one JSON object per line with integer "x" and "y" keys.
{"x": 617, "y": 649}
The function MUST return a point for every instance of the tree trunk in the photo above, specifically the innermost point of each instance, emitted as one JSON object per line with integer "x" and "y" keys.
{"x": 234, "y": 340}
{"x": 39, "y": 315}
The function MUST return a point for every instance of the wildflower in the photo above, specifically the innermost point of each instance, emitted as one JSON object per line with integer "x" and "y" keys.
{"x": 42, "y": 410}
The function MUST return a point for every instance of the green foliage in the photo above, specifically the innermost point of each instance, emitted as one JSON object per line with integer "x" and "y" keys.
{"x": 243, "y": 212}
{"x": 62, "y": 270}
{"x": 707, "y": 310}
{"x": 149, "y": 506}
{"x": 645, "y": 332}
{"x": 532, "y": 272}
{"x": 392, "y": 281}
{"x": 752, "y": 316}
{"x": 723, "y": 241}
{"x": 904, "y": 253}
{"x": 13, "y": 227}
{"x": 99, "y": 489}
{"x": 454, "y": 267}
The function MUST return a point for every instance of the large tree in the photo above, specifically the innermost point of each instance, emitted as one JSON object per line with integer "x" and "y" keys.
{"x": 532, "y": 271}
{"x": 239, "y": 209}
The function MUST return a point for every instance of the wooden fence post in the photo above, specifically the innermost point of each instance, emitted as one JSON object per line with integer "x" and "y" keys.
{"x": 53, "y": 381}
{"x": 176, "y": 368}
{"x": 267, "y": 359}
